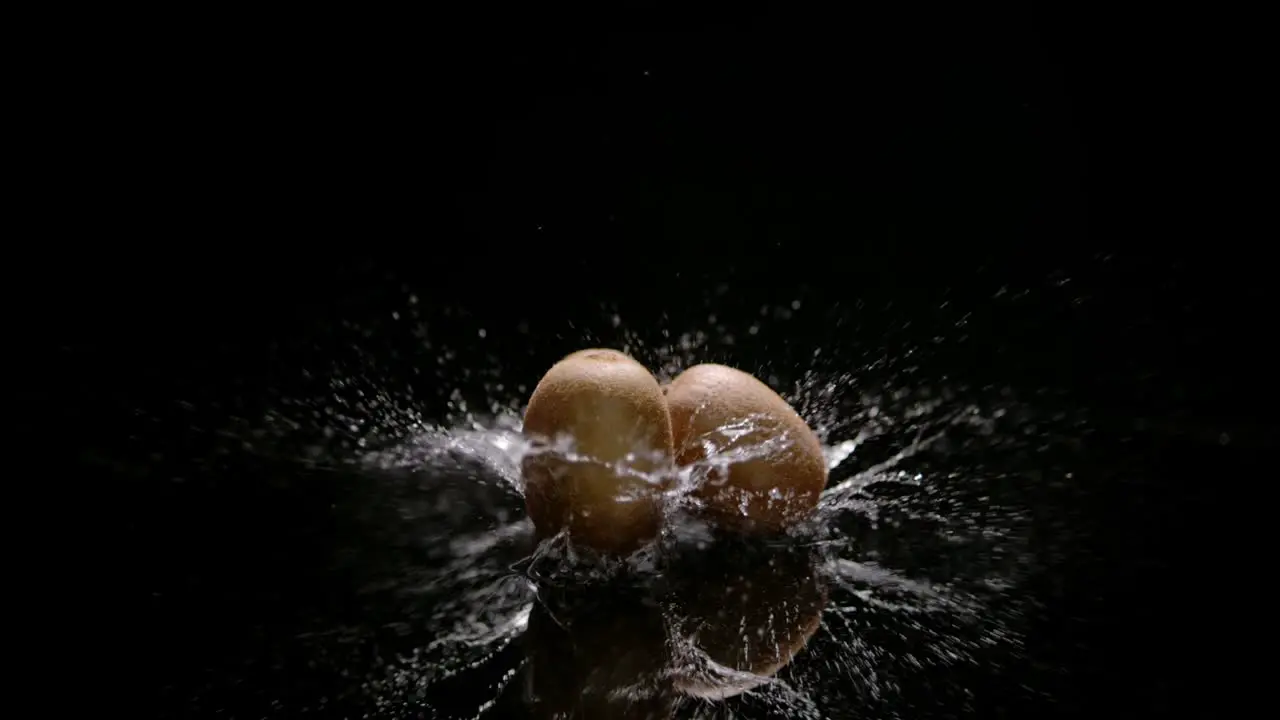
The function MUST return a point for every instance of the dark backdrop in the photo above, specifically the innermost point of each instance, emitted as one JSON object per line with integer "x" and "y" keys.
{"x": 944, "y": 186}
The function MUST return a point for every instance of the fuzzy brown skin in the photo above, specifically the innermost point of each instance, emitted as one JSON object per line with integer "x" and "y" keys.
{"x": 706, "y": 399}
{"x": 612, "y": 407}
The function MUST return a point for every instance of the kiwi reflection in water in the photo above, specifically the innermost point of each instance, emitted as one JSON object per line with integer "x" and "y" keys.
{"x": 740, "y": 615}
{"x": 718, "y": 623}
{"x": 600, "y": 654}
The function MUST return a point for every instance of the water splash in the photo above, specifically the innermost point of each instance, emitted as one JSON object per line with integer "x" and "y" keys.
{"x": 893, "y": 610}
{"x": 920, "y": 545}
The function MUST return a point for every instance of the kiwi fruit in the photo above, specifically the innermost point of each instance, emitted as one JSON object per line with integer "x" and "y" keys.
{"x": 764, "y": 467}
{"x": 601, "y": 448}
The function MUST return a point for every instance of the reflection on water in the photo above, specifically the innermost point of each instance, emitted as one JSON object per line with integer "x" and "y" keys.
{"x": 714, "y": 624}
{"x": 602, "y": 654}
{"x": 742, "y": 614}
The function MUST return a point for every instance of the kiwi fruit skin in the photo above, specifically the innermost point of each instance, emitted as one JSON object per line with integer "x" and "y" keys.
{"x": 607, "y": 493}
{"x": 774, "y": 470}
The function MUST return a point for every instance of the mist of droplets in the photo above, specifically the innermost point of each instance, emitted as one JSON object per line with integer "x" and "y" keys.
{"x": 925, "y": 531}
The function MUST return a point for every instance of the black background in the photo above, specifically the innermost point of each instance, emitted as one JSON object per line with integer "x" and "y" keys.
{"x": 895, "y": 174}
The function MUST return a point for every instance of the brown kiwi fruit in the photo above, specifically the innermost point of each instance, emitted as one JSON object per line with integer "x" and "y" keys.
{"x": 774, "y": 470}
{"x": 603, "y": 492}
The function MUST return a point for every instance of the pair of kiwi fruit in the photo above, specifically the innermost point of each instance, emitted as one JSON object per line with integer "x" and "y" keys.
{"x": 759, "y": 466}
